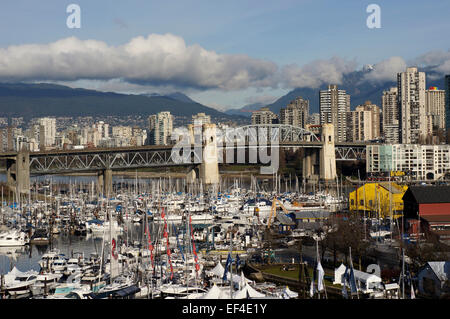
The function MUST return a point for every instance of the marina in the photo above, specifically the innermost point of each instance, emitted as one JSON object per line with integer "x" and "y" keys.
{"x": 162, "y": 238}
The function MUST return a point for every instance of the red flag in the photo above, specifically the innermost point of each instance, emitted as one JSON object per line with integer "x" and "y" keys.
{"x": 197, "y": 267}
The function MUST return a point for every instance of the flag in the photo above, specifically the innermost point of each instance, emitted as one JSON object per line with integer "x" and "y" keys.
{"x": 227, "y": 264}
{"x": 353, "y": 288}
{"x": 312, "y": 288}
{"x": 166, "y": 235}
{"x": 238, "y": 260}
{"x": 344, "y": 284}
{"x": 114, "y": 251}
{"x": 197, "y": 266}
{"x": 320, "y": 276}
{"x": 242, "y": 282}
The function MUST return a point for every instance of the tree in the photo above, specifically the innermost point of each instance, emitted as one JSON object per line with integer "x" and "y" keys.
{"x": 348, "y": 231}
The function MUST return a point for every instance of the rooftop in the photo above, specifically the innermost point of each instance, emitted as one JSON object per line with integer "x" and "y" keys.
{"x": 427, "y": 194}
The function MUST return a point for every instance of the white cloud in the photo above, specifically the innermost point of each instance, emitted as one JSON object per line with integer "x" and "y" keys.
{"x": 166, "y": 63}
{"x": 386, "y": 70}
{"x": 438, "y": 60}
{"x": 263, "y": 99}
{"x": 154, "y": 60}
{"x": 316, "y": 73}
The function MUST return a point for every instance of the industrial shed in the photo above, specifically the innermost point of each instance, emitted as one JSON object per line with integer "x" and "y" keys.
{"x": 427, "y": 208}
{"x": 434, "y": 278}
{"x": 384, "y": 198}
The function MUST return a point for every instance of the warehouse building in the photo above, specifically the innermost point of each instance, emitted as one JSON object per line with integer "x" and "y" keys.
{"x": 382, "y": 199}
{"x": 427, "y": 208}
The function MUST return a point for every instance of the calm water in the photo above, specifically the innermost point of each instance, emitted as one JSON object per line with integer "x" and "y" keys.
{"x": 27, "y": 257}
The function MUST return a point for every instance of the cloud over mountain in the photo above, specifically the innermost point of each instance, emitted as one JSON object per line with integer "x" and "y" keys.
{"x": 316, "y": 73}
{"x": 166, "y": 61}
{"x": 386, "y": 70}
{"x": 438, "y": 60}
{"x": 155, "y": 59}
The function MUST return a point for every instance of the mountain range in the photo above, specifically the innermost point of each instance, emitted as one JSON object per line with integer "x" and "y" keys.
{"x": 355, "y": 83}
{"x": 43, "y": 99}
{"x": 37, "y": 100}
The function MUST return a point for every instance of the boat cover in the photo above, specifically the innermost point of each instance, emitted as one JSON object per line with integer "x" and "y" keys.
{"x": 128, "y": 291}
{"x": 216, "y": 293}
{"x": 248, "y": 292}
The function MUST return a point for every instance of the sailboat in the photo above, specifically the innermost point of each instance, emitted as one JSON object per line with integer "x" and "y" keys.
{"x": 120, "y": 285}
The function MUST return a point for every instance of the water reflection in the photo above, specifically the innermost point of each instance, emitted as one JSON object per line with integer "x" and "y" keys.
{"x": 26, "y": 257}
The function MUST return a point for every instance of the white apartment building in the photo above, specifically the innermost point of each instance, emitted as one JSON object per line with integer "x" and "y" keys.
{"x": 47, "y": 131}
{"x": 102, "y": 128}
{"x": 90, "y": 137}
{"x": 419, "y": 162}
{"x": 295, "y": 113}
{"x": 334, "y": 105}
{"x": 161, "y": 127}
{"x": 364, "y": 123}
{"x": 200, "y": 119}
{"x": 435, "y": 108}
{"x": 264, "y": 116}
{"x": 411, "y": 99}
{"x": 314, "y": 119}
{"x": 122, "y": 131}
{"x": 390, "y": 114}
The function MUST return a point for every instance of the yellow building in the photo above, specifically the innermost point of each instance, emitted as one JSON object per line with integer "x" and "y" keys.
{"x": 378, "y": 198}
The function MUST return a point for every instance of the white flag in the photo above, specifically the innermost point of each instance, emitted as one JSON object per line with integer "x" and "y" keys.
{"x": 320, "y": 275}
{"x": 311, "y": 289}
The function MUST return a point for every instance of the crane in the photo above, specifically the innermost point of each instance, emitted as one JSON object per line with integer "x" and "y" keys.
{"x": 273, "y": 211}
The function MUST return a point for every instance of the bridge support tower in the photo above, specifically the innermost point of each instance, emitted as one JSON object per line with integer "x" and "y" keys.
{"x": 104, "y": 182}
{"x": 205, "y": 146}
{"x": 321, "y": 163}
{"x": 18, "y": 173}
{"x": 328, "y": 154}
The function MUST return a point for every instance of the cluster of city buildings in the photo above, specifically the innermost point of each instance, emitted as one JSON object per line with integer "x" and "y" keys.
{"x": 49, "y": 133}
{"x": 407, "y": 133}
{"x": 42, "y": 134}
{"x": 409, "y": 113}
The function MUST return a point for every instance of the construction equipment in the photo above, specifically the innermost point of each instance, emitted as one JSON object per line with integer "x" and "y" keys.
{"x": 273, "y": 211}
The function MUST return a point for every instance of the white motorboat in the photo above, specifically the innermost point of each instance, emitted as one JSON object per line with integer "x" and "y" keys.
{"x": 19, "y": 283}
{"x": 45, "y": 282}
{"x": 76, "y": 293}
{"x": 13, "y": 238}
{"x": 202, "y": 218}
{"x": 48, "y": 258}
{"x": 172, "y": 218}
{"x": 179, "y": 291}
{"x": 59, "y": 265}
{"x": 100, "y": 227}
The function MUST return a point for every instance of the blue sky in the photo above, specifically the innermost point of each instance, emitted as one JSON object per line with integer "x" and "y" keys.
{"x": 280, "y": 32}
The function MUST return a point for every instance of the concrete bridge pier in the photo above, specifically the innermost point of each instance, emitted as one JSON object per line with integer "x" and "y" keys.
{"x": 311, "y": 165}
{"x": 104, "y": 182}
{"x": 18, "y": 173}
{"x": 209, "y": 168}
{"x": 328, "y": 154}
{"x": 205, "y": 149}
{"x": 191, "y": 176}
